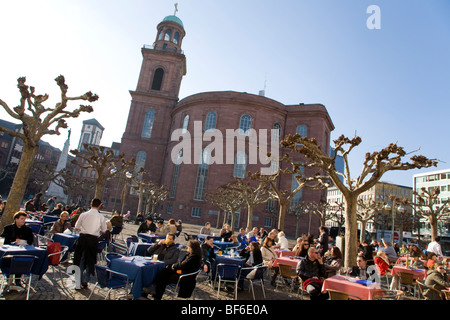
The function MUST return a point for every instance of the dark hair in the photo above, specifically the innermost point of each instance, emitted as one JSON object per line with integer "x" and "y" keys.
{"x": 96, "y": 203}
{"x": 437, "y": 239}
{"x": 266, "y": 242}
{"x": 195, "y": 246}
{"x": 19, "y": 214}
{"x": 255, "y": 245}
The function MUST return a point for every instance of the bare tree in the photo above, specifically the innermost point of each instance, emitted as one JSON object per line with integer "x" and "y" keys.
{"x": 251, "y": 195}
{"x": 105, "y": 163}
{"x": 374, "y": 166}
{"x": 37, "y": 121}
{"x": 429, "y": 206}
{"x": 366, "y": 210}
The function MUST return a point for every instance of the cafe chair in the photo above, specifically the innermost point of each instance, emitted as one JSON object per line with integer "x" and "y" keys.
{"x": 286, "y": 276}
{"x": 387, "y": 294}
{"x": 118, "y": 248}
{"x": 110, "y": 280}
{"x": 208, "y": 274}
{"x": 422, "y": 288}
{"x": 340, "y": 295}
{"x": 446, "y": 294}
{"x": 116, "y": 231}
{"x": 257, "y": 277}
{"x": 407, "y": 280}
{"x": 184, "y": 277}
{"x": 101, "y": 250}
{"x": 130, "y": 240}
{"x": 37, "y": 228}
{"x": 18, "y": 265}
{"x": 111, "y": 256}
{"x": 228, "y": 273}
{"x": 55, "y": 260}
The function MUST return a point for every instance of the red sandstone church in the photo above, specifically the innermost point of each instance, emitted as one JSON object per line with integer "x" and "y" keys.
{"x": 156, "y": 112}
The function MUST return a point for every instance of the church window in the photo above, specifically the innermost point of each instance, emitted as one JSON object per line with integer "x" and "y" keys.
{"x": 176, "y": 37}
{"x": 168, "y": 35}
{"x": 148, "y": 124}
{"x": 245, "y": 123}
{"x": 157, "y": 79}
{"x": 240, "y": 166}
{"x": 202, "y": 174}
{"x": 210, "y": 121}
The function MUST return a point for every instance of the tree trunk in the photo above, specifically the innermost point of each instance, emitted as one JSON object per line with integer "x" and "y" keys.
{"x": 99, "y": 187}
{"x": 17, "y": 191}
{"x": 434, "y": 227}
{"x": 249, "y": 216}
{"x": 282, "y": 214}
{"x": 351, "y": 231}
{"x": 362, "y": 236}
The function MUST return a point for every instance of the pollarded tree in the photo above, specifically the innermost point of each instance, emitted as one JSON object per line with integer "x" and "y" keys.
{"x": 374, "y": 166}
{"x": 428, "y": 205}
{"x": 105, "y": 163}
{"x": 37, "y": 121}
{"x": 366, "y": 210}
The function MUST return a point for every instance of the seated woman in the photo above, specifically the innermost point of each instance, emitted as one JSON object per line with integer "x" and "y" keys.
{"x": 301, "y": 248}
{"x": 431, "y": 259}
{"x": 191, "y": 263}
{"x": 283, "y": 242}
{"x": 333, "y": 261}
{"x": 437, "y": 279}
{"x": 252, "y": 254}
{"x": 61, "y": 224}
{"x": 226, "y": 233}
{"x": 269, "y": 255}
{"x": 382, "y": 262}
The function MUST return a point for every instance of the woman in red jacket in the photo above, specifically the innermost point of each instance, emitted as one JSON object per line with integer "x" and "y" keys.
{"x": 382, "y": 262}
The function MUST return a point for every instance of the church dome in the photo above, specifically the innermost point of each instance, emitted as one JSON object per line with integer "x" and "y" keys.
{"x": 174, "y": 19}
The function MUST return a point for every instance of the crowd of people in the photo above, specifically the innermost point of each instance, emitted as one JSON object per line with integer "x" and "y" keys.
{"x": 319, "y": 258}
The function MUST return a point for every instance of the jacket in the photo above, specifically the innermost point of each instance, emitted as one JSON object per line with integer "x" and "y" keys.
{"x": 435, "y": 280}
{"x": 191, "y": 263}
{"x": 307, "y": 269}
{"x": 168, "y": 254}
{"x": 12, "y": 232}
{"x": 58, "y": 227}
{"x": 257, "y": 257}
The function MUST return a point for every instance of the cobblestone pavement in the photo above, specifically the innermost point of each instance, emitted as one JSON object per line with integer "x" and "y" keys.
{"x": 49, "y": 287}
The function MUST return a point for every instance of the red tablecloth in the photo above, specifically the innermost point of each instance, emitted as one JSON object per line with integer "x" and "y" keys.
{"x": 286, "y": 260}
{"x": 284, "y": 253}
{"x": 347, "y": 284}
{"x": 418, "y": 273}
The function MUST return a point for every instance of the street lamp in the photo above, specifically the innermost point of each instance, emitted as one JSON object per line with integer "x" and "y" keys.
{"x": 309, "y": 223}
{"x": 128, "y": 175}
{"x": 400, "y": 209}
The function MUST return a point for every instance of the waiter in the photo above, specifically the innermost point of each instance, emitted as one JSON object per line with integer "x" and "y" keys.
{"x": 90, "y": 224}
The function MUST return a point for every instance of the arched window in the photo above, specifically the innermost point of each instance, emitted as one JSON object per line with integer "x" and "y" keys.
{"x": 176, "y": 172}
{"x": 168, "y": 35}
{"x": 276, "y": 133}
{"x": 157, "y": 79}
{"x": 210, "y": 121}
{"x": 302, "y": 130}
{"x": 161, "y": 33}
{"x": 141, "y": 157}
{"x": 240, "y": 166}
{"x": 297, "y": 198}
{"x": 148, "y": 124}
{"x": 185, "y": 123}
{"x": 245, "y": 123}
{"x": 202, "y": 174}
{"x": 176, "y": 37}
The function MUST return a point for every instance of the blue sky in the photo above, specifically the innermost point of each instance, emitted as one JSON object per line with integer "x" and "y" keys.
{"x": 386, "y": 85}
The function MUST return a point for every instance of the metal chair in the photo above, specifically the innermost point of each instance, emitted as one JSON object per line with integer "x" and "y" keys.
{"x": 100, "y": 250}
{"x": 423, "y": 287}
{"x": 340, "y": 295}
{"x": 55, "y": 265}
{"x": 407, "y": 280}
{"x": 228, "y": 273}
{"x": 446, "y": 294}
{"x": 286, "y": 274}
{"x": 109, "y": 279}
{"x": 388, "y": 295}
{"x": 176, "y": 286}
{"x": 18, "y": 265}
{"x": 130, "y": 240}
{"x": 112, "y": 255}
{"x": 118, "y": 248}
{"x": 258, "y": 277}
{"x": 116, "y": 231}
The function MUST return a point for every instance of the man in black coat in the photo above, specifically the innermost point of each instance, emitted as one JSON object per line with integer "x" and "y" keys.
{"x": 18, "y": 230}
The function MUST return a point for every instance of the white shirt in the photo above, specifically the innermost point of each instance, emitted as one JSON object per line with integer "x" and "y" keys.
{"x": 91, "y": 222}
{"x": 435, "y": 247}
{"x": 284, "y": 243}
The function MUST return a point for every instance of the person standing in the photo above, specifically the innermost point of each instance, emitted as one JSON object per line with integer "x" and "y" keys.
{"x": 90, "y": 224}
{"x": 435, "y": 246}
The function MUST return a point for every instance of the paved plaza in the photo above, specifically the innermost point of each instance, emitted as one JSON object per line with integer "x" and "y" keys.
{"x": 49, "y": 286}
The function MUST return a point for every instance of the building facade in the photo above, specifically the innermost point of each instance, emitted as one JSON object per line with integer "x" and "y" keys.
{"x": 156, "y": 114}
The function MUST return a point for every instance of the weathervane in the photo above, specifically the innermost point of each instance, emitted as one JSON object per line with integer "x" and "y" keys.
{"x": 176, "y": 9}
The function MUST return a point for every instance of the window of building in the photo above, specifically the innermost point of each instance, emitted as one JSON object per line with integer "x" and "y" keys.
{"x": 268, "y": 222}
{"x": 202, "y": 174}
{"x": 176, "y": 171}
{"x": 185, "y": 123}
{"x": 157, "y": 79}
{"x": 148, "y": 124}
{"x": 176, "y": 37}
{"x": 168, "y": 35}
{"x": 170, "y": 208}
{"x": 245, "y": 124}
{"x": 276, "y": 133}
{"x": 299, "y": 195}
{"x": 161, "y": 33}
{"x": 141, "y": 157}
{"x": 196, "y": 212}
{"x": 302, "y": 130}
{"x": 210, "y": 121}
{"x": 240, "y": 166}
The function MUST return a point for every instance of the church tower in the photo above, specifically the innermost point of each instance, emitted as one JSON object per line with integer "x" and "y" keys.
{"x": 148, "y": 126}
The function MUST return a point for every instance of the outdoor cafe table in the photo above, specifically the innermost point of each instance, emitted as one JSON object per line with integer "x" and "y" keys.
{"x": 141, "y": 271}
{"x": 350, "y": 286}
{"x": 35, "y": 225}
{"x": 226, "y": 259}
{"x": 150, "y": 237}
{"x": 202, "y": 237}
{"x": 65, "y": 239}
{"x": 139, "y": 248}
{"x": 48, "y": 218}
{"x": 284, "y": 253}
{"x": 223, "y": 244}
{"x": 289, "y": 260}
{"x": 418, "y": 273}
{"x": 40, "y": 266}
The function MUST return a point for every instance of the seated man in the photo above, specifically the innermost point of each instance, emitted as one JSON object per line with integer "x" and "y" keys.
{"x": 18, "y": 230}
{"x": 310, "y": 270}
{"x": 147, "y": 226}
{"x": 162, "y": 229}
{"x": 166, "y": 250}
{"x": 208, "y": 253}
{"x": 360, "y": 270}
